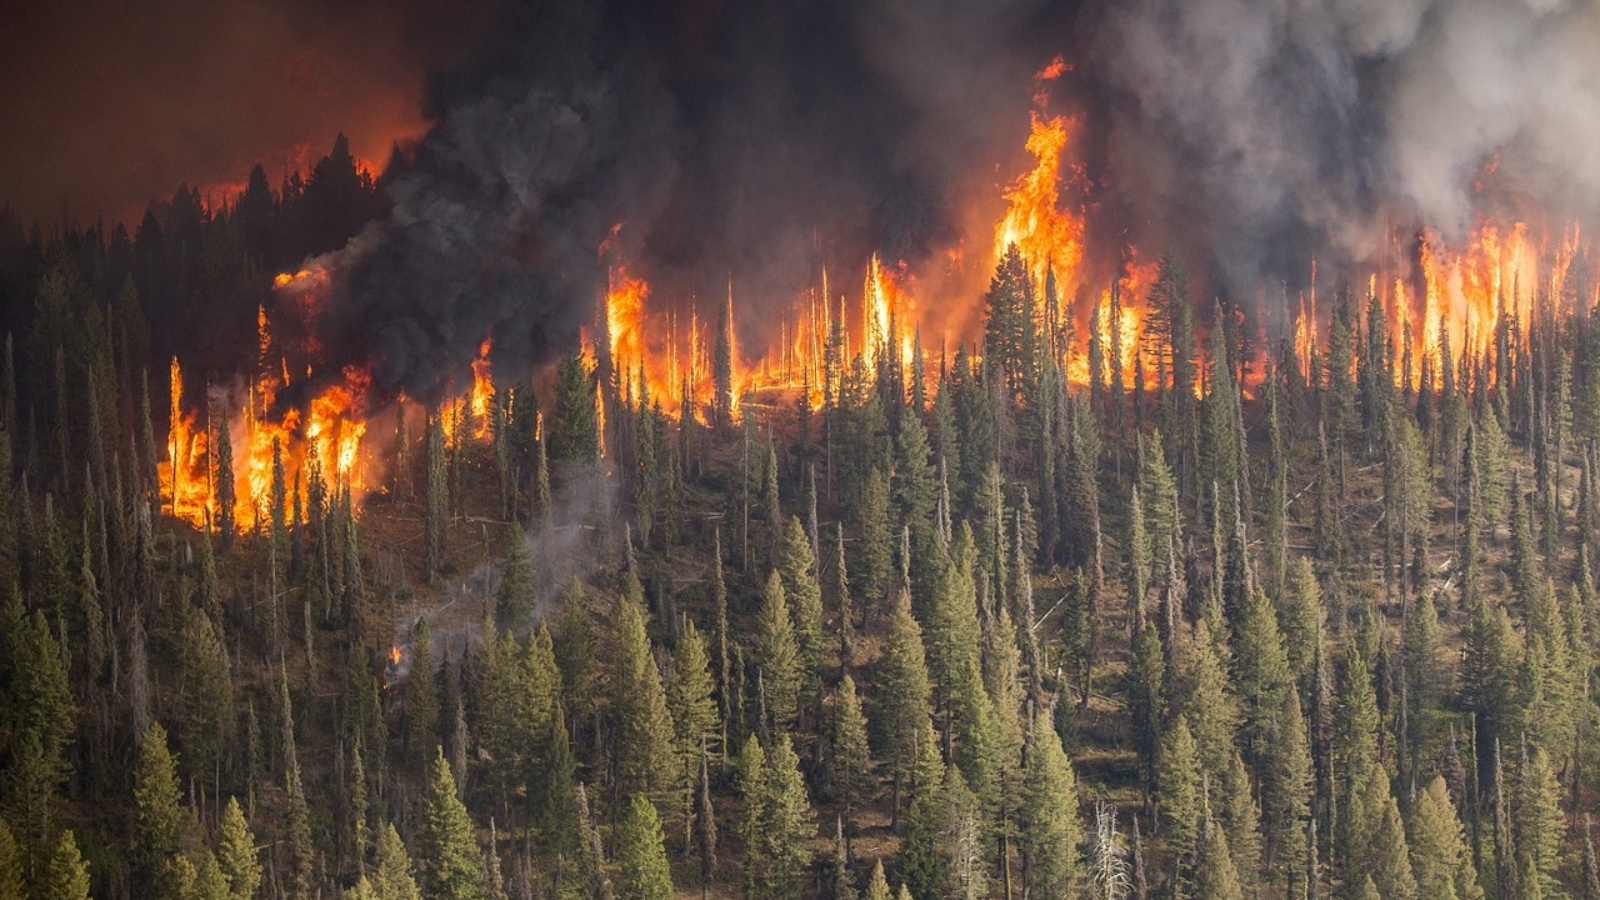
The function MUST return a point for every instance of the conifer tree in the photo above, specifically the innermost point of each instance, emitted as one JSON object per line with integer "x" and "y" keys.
{"x": 162, "y": 827}
{"x": 1261, "y": 674}
{"x": 575, "y": 427}
{"x": 13, "y": 885}
{"x": 803, "y": 593}
{"x": 1538, "y": 824}
{"x": 903, "y": 688}
{"x": 66, "y": 874}
{"x": 236, "y": 853}
{"x": 226, "y": 498}
{"x": 1145, "y": 689}
{"x": 1439, "y": 848}
{"x": 646, "y": 761}
{"x": 787, "y": 827}
{"x": 452, "y": 867}
{"x": 1216, "y": 877}
{"x": 695, "y": 723}
{"x": 872, "y": 565}
{"x": 641, "y": 854}
{"x": 778, "y": 656}
{"x": 877, "y": 884}
{"x": 421, "y": 698}
{"x": 436, "y": 513}
{"x": 1052, "y": 833}
{"x": 1179, "y": 776}
{"x": 851, "y": 762}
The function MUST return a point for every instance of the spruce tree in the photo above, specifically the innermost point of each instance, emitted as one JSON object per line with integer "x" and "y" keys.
{"x": 575, "y": 427}
{"x": 1180, "y": 779}
{"x": 803, "y": 593}
{"x": 641, "y": 854}
{"x": 850, "y": 764}
{"x": 66, "y": 874}
{"x": 777, "y": 656}
{"x": 903, "y": 689}
{"x": 452, "y": 867}
{"x": 236, "y": 852}
{"x": 695, "y": 723}
{"x": 1051, "y": 832}
{"x": 1439, "y": 846}
{"x": 646, "y": 761}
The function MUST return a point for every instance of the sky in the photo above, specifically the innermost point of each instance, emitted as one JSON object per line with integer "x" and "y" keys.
{"x": 106, "y": 105}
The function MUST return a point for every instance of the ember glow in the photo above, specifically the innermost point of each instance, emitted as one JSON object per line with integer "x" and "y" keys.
{"x": 1442, "y": 300}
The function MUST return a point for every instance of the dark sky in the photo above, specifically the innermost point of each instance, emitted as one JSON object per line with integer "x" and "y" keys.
{"x": 105, "y": 105}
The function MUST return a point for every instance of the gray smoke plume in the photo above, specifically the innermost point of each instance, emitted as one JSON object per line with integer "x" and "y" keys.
{"x": 751, "y": 143}
{"x": 1256, "y": 134}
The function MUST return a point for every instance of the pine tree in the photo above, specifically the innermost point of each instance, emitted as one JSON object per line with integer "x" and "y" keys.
{"x": 872, "y": 564}
{"x": 452, "y": 867}
{"x": 66, "y": 874}
{"x": 1145, "y": 688}
{"x": 695, "y": 723}
{"x": 1216, "y": 877}
{"x": 226, "y": 498}
{"x": 1439, "y": 849}
{"x": 641, "y": 855}
{"x": 1286, "y": 791}
{"x": 1261, "y": 674}
{"x": 1538, "y": 824}
{"x": 575, "y": 428}
{"x": 798, "y": 571}
{"x": 514, "y": 597}
{"x": 782, "y": 857}
{"x": 850, "y": 765}
{"x": 236, "y": 852}
{"x": 13, "y": 884}
{"x": 922, "y": 865}
{"x": 162, "y": 828}
{"x": 1179, "y": 777}
{"x": 777, "y": 656}
{"x": 903, "y": 689}
{"x": 1051, "y": 832}
{"x": 391, "y": 877}
{"x": 436, "y": 513}
{"x": 877, "y": 884}
{"x": 646, "y": 761}
{"x": 421, "y": 699}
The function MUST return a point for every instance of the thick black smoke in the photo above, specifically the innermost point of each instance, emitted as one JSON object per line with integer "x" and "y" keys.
{"x": 755, "y": 142}
{"x": 742, "y": 142}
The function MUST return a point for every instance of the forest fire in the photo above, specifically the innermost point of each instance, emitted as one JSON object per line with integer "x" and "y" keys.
{"x": 1441, "y": 301}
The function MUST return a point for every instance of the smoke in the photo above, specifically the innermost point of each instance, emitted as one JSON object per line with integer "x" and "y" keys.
{"x": 1256, "y": 135}
{"x": 736, "y": 144}
{"x": 751, "y": 144}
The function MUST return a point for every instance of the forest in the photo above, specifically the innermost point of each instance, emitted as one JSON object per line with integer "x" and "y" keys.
{"x": 1253, "y": 618}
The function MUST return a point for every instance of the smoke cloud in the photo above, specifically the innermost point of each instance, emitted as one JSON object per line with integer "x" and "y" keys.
{"x": 1257, "y": 135}
{"x": 750, "y": 144}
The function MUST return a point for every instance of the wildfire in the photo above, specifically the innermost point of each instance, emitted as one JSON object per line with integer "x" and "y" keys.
{"x": 482, "y": 390}
{"x": 1050, "y": 239}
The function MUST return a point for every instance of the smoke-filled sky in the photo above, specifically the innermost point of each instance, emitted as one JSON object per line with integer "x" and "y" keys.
{"x": 106, "y": 105}
{"x": 746, "y": 142}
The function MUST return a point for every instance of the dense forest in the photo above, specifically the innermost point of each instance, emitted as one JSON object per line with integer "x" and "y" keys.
{"x": 1250, "y": 619}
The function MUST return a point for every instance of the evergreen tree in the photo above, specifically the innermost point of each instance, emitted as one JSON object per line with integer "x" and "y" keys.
{"x": 694, "y": 713}
{"x": 13, "y": 883}
{"x": 162, "y": 828}
{"x": 872, "y": 564}
{"x": 1538, "y": 824}
{"x": 777, "y": 656}
{"x": 646, "y": 761}
{"x": 803, "y": 593}
{"x": 236, "y": 852}
{"x": 575, "y": 428}
{"x": 851, "y": 762}
{"x": 1051, "y": 832}
{"x": 66, "y": 874}
{"x": 1179, "y": 776}
{"x": 226, "y": 498}
{"x": 903, "y": 689}
{"x": 452, "y": 867}
{"x": 1216, "y": 877}
{"x": 421, "y": 699}
{"x": 436, "y": 514}
{"x": 1439, "y": 848}
{"x": 641, "y": 855}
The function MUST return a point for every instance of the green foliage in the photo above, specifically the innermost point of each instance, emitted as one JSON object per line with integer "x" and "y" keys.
{"x": 777, "y": 657}
{"x": 850, "y": 764}
{"x": 1439, "y": 850}
{"x": 575, "y": 427}
{"x": 1051, "y": 833}
{"x": 452, "y": 867}
{"x": 646, "y": 755}
{"x": 641, "y": 854}
{"x": 236, "y": 853}
{"x": 66, "y": 875}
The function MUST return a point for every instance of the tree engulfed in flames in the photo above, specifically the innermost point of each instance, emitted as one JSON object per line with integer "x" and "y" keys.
{"x": 1441, "y": 301}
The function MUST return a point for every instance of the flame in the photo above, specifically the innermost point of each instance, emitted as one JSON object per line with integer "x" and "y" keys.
{"x": 1049, "y": 238}
{"x": 482, "y": 391}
